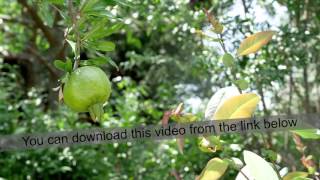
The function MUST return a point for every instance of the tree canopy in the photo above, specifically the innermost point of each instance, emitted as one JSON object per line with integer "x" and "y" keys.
{"x": 157, "y": 55}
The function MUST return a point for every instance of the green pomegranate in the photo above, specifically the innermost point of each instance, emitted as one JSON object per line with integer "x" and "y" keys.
{"x": 86, "y": 90}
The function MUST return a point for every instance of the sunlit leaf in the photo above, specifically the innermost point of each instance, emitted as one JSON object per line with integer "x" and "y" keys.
{"x": 308, "y": 133}
{"x": 214, "y": 169}
{"x": 254, "y": 42}
{"x": 294, "y": 175}
{"x": 240, "y": 106}
{"x": 218, "y": 98}
{"x": 259, "y": 168}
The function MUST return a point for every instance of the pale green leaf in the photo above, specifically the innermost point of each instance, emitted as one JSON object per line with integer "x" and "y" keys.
{"x": 295, "y": 175}
{"x": 242, "y": 84}
{"x": 308, "y": 133}
{"x": 258, "y": 167}
{"x": 240, "y": 106}
{"x": 218, "y": 99}
{"x": 228, "y": 60}
{"x": 215, "y": 168}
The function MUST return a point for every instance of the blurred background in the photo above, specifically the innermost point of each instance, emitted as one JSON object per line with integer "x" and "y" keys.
{"x": 158, "y": 63}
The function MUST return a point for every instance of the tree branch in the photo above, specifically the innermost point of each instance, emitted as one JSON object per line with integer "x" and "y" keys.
{"x": 37, "y": 20}
{"x": 43, "y": 61}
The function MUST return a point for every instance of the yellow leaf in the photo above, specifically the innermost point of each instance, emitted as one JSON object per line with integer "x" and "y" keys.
{"x": 240, "y": 106}
{"x": 292, "y": 175}
{"x": 214, "y": 169}
{"x": 254, "y": 42}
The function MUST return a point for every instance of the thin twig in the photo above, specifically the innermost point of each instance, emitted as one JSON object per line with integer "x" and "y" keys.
{"x": 73, "y": 13}
{"x": 244, "y": 174}
{"x": 223, "y": 46}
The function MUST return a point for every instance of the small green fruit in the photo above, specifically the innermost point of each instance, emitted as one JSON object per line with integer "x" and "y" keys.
{"x": 86, "y": 90}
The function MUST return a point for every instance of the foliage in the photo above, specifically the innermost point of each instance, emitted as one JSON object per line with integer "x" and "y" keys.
{"x": 159, "y": 54}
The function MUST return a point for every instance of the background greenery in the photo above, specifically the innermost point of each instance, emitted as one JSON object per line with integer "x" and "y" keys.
{"x": 158, "y": 62}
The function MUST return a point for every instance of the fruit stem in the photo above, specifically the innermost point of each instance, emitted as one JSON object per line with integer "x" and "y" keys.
{"x": 96, "y": 111}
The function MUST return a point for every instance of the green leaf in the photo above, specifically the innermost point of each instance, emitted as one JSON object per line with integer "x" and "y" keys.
{"x": 295, "y": 175}
{"x": 72, "y": 45}
{"x": 254, "y": 42}
{"x": 97, "y": 29}
{"x": 234, "y": 163}
{"x": 46, "y": 14}
{"x": 228, "y": 60}
{"x": 271, "y": 155}
{"x": 114, "y": 28}
{"x": 57, "y": 2}
{"x": 209, "y": 144}
{"x": 112, "y": 63}
{"x": 63, "y": 66}
{"x": 60, "y": 65}
{"x": 184, "y": 118}
{"x": 89, "y": 5}
{"x": 302, "y": 178}
{"x": 259, "y": 168}
{"x": 133, "y": 40}
{"x": 103, "y": 45}
{"x": 308, "y": 133}
{"x": 101, "y": 31}
{"x": 95, "y": 62}
{"x": 68, "y": 66}
{"x": 242, "y": 84}
{"x": 123, "y": 3}
{"x": 215, "y": 168}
